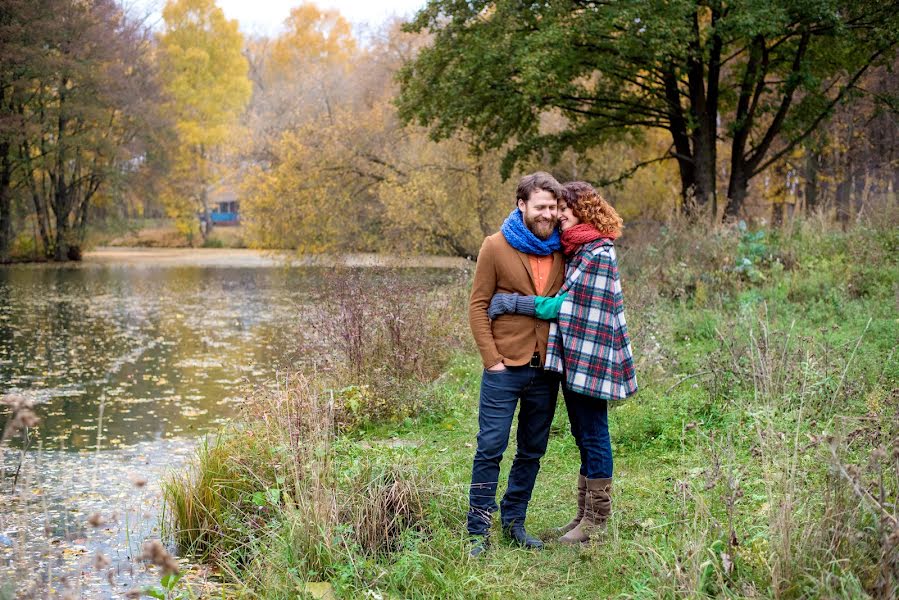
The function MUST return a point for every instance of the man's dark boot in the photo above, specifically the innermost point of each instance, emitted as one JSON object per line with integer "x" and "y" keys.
{"x": 518, "y": 535}
{"x": 479, "y": 545}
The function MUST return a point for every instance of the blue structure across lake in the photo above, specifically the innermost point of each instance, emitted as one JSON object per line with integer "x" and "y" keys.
{"x": 226, "y": 213}
{"x": 224, "y": 218}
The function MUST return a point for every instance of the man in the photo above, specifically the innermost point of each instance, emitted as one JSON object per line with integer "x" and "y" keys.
{"x": 522, "y": 258}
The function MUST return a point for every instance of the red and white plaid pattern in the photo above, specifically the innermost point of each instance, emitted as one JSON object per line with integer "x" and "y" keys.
{"x": 589, "y": 344}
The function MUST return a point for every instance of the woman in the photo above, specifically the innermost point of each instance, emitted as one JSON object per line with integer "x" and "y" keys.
{"x": 588, "y": 345}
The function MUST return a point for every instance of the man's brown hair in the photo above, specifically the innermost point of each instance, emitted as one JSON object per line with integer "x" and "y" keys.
{"x": 540, "y": 180}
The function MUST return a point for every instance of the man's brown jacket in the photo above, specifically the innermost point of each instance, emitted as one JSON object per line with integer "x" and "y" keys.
{"x": 510, "y": 339}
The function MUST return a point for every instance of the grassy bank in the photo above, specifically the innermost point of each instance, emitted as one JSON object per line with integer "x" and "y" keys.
{"x": 760, "y": 458}
{"x": 132, "y": 233}
{"x": 161, "y": 233}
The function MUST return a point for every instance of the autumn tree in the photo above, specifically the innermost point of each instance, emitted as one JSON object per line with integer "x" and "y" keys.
{"x": 312, "y": 37}
{"x": 849, "y": 167}
{"x": 205, "y": 76}
{"x": 345, "y": 174}
{"x": 16, "y": 54}
{"x": 76, "y": 93}
{"x": 759, "y": 75}
{"x": 361, "y": 182}
{"x": 297, "y": 75}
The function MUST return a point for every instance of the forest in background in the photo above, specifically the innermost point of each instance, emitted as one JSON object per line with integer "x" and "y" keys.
{"x": 411, "y": 139}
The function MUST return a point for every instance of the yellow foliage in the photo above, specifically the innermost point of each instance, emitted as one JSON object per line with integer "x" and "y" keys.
{"x": 311, "y": 36}
{"x": 205, "y": 77}
{"x": 334, "y": 170}
{"x": 294, "y": 203}
{"x": 204, "y": 70}
{"x": 353, "y": 179}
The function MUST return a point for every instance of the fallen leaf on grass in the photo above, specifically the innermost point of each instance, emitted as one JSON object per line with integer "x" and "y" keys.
{"x": 320, "y": 590}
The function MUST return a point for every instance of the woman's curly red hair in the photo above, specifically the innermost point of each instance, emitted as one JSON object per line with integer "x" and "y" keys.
{"x": 590, "y": 207}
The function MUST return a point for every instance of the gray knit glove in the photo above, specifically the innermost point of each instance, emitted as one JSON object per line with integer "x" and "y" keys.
{"x": 502, "y": 304}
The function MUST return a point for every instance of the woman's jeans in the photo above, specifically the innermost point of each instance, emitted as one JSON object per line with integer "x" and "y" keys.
{"x": 500, "y": 394}
{"x": 590, "y": 428}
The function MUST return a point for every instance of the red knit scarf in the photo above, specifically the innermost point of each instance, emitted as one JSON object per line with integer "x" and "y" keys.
{"x": 575, "y": 237}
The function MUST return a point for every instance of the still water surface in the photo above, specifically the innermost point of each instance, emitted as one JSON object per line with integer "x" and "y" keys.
{"x": 129, "y": 362}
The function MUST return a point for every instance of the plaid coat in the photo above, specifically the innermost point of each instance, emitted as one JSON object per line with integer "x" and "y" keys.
{"x": 589, "y": 344}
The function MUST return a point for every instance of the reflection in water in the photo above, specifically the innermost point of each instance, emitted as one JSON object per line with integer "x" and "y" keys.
{"x": 165, "y": 354}
{"x": 72, "y": 507}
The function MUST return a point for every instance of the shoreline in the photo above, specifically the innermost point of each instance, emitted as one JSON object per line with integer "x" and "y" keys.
{"x": 241, "y": 257}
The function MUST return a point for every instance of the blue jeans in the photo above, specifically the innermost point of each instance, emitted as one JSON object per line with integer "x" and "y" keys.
{"x": 500, "y": 394}
{"x": 590, "y": 428}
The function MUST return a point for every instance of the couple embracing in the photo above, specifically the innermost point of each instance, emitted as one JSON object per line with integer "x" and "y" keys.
{"x": 546, "y": 307}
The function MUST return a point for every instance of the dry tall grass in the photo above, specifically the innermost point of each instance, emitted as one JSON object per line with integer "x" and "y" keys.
{"x": 390, "y": 334}
{"x": 278, "y": 460}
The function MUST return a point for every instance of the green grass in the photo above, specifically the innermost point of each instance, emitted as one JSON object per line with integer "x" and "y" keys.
{"x": 759, "y": 459}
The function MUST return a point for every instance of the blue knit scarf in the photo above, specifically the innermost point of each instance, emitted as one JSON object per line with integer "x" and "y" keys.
{"x": 522, "y": 239}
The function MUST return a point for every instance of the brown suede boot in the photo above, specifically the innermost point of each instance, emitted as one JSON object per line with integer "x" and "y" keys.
{"x": 597, "y": 508}
{"x": 581, "y": 494}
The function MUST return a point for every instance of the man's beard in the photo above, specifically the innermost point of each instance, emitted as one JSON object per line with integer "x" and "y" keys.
{"x": 540, "y": 227}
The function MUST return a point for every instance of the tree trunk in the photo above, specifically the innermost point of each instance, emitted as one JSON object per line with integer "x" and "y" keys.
{"x": 740, "y": 170}
{"x": 811, "y": 183}
{"x": 711, "y": 108}
{"x": 61, "y": 243}
{"x": 205, "y": 219}
{"x": 5, "y": 202}
{"x": 702, "y": 83}
{"x": 681, "y": 139}
{"x": 41, "y": 214}
{"x": 61, "y": 191}
{"x": 844, "y": 193}
{"x": 704, "y": 157}
{"x": 859, "y": 185}
{"x": 687, "y": 186}
{"x": 80, "y": 233}
{"x": 736, "y": 189}
{"x": 777, "y": 214}
{"x": 83, "y": 211}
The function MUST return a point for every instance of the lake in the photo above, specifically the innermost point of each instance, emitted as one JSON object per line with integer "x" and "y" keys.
{"x": 129, "y": 358}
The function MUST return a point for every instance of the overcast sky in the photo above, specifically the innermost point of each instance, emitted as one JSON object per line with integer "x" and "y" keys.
{"x": 266, "y": 16}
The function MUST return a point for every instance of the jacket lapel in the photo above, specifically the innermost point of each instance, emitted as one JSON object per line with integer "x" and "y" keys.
{"x": 558, "y": 268}
{"x": 527, "y": 266}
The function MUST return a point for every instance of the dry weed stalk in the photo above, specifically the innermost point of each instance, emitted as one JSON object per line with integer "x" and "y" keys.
{"x": 154, "y": 552}
{"x": 873, "y": 490}
{"x": 21, "y": 418}
{"x": 813, "y": 528}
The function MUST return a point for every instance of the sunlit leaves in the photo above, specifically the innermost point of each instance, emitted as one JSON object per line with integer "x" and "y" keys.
{"x": 205, "y": 75}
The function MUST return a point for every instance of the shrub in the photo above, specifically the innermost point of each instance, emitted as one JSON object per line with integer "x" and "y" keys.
{"x": 24, "y": 247}
{"x": 391, "y": 337}
{"x": 269, "y": 489}
{"x": 213, "y": 242}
